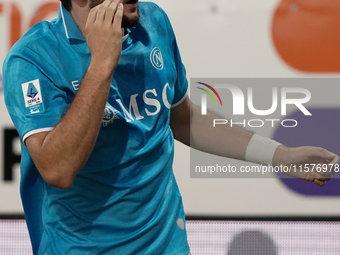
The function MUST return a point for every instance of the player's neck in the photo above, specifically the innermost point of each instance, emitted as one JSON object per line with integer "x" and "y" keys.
{"x": 79, "y": 12}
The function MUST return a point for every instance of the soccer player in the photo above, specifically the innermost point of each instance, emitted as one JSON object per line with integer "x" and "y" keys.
{"x": 98, "y": 96}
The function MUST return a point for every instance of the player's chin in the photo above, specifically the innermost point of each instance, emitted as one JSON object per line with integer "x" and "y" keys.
{"x": 130, "y": 20}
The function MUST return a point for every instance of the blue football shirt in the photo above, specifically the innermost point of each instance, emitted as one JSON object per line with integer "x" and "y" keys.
{"x": 125, "y": 200}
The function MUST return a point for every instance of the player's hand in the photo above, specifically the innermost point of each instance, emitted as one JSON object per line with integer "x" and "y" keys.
{"x": 104, "y": 34}
{"x": 311, "y": 163}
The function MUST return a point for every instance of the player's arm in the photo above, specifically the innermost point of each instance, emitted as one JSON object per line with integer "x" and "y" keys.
{"x": 233, "y": 142}
{"x": 222, "y": 141}
{"x": 62, "y": 152}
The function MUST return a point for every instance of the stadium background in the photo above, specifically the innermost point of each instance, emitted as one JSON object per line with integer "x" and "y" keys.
{"x": 219, "y": 38}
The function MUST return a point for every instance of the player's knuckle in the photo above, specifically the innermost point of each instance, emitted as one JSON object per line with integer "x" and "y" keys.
{"x": 111, "y": 8}
{"x": 95, "y": 9}
{"x": 119, "y": 14}
{"x": 88, "y": 27}
{"x": 101, "y": 6}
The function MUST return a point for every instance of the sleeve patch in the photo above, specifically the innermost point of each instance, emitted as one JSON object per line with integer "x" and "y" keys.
{"x": 32, "y": 97}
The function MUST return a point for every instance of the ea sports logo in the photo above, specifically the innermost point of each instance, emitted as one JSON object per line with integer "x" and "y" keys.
{"x": 156, "y": 58}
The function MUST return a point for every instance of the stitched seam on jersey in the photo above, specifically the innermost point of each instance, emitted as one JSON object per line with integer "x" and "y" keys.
{"x": 62, "y": 15}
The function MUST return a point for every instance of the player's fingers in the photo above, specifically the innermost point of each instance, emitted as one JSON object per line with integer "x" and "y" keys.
{"x": 101, "y": 13}
{"x": 98, "y": 11}
{"x": 333, "y": 166}
{"x": 102, "y": 8}
{"x": 92, "y": 16}
{"x": 117, "y": 21}
{"x": 320, "y": 183}
{"x": 318, "y": 152}
{"x": 330, "y": 167}
{"x": 110, "y": 11}
{"x": 322, "y": 176}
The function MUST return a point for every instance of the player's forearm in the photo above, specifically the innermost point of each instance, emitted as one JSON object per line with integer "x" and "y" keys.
{"x": 222, "y": 140}
{"x": 65, "y": 149}
{"x": 61, "y": 153}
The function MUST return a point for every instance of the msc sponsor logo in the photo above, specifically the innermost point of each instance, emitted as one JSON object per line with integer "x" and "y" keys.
{"x": 152, "y": 100}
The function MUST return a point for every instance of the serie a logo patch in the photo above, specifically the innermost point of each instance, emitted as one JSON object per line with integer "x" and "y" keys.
{"x": 32, "y": 97}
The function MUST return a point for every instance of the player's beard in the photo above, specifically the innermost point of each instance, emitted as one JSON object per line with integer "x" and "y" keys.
{"x": 126, "y": 21}
{"x": 130, "y": 22}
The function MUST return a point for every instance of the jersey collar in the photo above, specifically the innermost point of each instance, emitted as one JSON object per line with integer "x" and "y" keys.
{"x": 68, "y": 27}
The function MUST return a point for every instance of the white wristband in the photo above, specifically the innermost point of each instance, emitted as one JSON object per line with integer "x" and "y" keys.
{"x": 261, "y": 150}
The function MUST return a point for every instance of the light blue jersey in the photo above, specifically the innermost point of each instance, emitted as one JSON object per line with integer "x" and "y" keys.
{"x": 125, "y": 200}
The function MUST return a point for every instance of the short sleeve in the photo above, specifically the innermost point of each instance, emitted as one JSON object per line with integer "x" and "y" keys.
{"x": 181, "y": 84}
{"x": 32, "y": 99}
